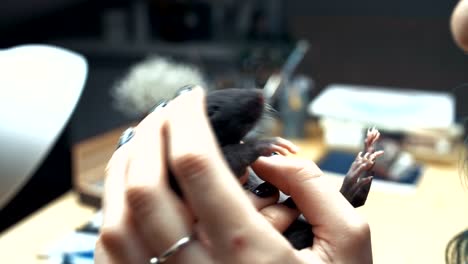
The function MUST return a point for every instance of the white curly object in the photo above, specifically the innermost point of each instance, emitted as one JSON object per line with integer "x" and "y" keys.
{"x": 151, "y": 81}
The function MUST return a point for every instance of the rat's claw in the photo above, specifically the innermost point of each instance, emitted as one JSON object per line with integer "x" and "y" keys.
{"x": 376, "y": 154}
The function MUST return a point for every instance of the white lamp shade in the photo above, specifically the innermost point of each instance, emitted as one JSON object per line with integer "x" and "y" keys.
{"x": 40, "y": 87}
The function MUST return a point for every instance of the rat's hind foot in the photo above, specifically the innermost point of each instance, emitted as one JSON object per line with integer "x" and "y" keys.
{"x": 358, "y": 180}
{"x": 357, "y": 183}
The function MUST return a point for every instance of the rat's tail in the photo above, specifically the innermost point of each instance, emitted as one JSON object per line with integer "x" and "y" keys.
{"x": 151, "y": 81}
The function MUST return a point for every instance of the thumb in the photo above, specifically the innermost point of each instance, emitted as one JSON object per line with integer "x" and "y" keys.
{"x": 319, "y": 201}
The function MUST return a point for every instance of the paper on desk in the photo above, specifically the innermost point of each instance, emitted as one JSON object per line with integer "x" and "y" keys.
{"x": 384, "y": 107}
{"x": 77, "y": 245}
{"x": 73, "y": 242}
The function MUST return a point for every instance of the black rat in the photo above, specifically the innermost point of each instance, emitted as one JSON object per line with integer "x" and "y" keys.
{"x": 233, "y": 113}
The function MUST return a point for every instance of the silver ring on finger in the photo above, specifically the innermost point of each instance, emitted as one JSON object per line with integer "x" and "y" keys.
{"x": 181, "y": 243}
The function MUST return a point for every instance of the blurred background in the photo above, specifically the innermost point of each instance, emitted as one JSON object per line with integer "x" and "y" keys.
{"x": 398, "y": 44}
{"x": 383, "y": 43}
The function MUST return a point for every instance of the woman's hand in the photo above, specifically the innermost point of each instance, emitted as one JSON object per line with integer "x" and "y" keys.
{"x": 143, "y": 217}
{"x": 340, "y": 234}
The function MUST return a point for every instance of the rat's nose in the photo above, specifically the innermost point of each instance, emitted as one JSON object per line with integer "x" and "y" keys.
{"x": 255, "y": 98}
{"x": 260, "y": 98}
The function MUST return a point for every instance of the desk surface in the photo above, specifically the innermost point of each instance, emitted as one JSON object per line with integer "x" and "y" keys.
{"x": 23, "y": 242}
{"x": 407, "y": 227}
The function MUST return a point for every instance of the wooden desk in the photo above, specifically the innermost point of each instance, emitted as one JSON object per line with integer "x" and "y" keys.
{"x": 21, "y": 243}
{"x": 408, "y": 228}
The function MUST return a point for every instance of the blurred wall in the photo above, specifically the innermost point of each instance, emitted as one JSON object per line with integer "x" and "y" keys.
{"x": 17, "y": 11}
{"x": 404, "y": 44}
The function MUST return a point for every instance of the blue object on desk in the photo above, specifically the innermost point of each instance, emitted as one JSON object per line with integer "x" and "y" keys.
{"x": 79, "y": 257}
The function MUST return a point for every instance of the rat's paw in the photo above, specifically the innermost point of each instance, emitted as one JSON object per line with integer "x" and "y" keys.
{"x": 357, "y": 194}
{"x": 356, "y": 185}
{"x": 266, "y": 147}
{"x": 357, "y": 182}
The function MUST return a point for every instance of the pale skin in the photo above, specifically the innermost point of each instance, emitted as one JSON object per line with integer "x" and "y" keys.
{"x": 143, "y": 217}
{"x": 459, "y": 25}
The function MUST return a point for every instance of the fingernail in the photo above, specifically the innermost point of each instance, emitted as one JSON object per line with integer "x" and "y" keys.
{"x": 265, "y": 189}
{"x": 184, "y": 89}
{"x": 159, "y": 105}
{"x": 290, "y": 203}
{"x": 125, "y": 137}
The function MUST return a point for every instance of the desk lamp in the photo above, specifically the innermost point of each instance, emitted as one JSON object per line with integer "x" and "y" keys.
{"x": 40, "y": 87}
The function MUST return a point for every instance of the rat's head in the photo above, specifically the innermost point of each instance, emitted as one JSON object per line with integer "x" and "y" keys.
{"x": 234, "y": 112}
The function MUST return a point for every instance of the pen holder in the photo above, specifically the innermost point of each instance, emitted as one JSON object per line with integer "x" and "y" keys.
{"x": 294, "y": 97}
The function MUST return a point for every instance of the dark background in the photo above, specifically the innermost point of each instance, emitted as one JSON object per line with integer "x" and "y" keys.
{"x": 401, "y": 44}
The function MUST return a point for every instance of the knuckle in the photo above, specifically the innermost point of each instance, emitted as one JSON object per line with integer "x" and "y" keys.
{"x": 287, "y": 254}
{"x": 110, "y": 238}
{"x": 141, "y": 200}
{"x": 192, "y": 165}
{"x": 308, "y": 170}
{"x": 359, "y": 229}
{"x": 238, "y": 242}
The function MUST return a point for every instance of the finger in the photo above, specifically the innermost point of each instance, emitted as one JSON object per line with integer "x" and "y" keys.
{"x": 223, "y": 211}
{"x": 101, "y": 256}
{"x": 160, "y": 217}
{"x": 117, "y": 237}
{"x": 280, "y": 216}
{"x": 199, "y": 168}
{"x": 275, "y": 148}
{"x": 319, "y": 202}
{"x": 162, "y": 223}
{"x": 284, "y": 143}
{"x": 265, "y": 198}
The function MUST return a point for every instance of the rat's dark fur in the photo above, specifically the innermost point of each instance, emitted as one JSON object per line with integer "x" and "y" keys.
{"x": 232, "y": 114}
